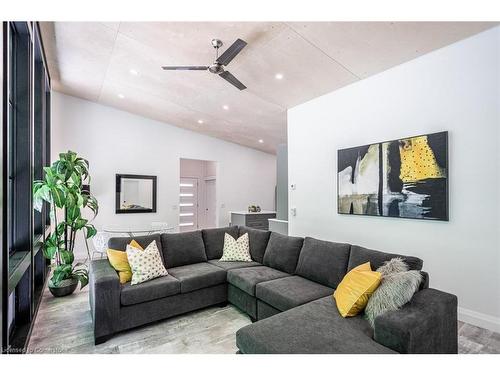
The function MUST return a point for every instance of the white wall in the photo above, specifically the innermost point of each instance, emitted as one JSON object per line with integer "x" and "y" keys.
{"x": 119, "y": 142}
{"x": 456, "y": 89}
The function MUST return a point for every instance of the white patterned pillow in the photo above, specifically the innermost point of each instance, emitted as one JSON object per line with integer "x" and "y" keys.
{"x": 236, "y": 250}
{"x": 145, "y": 264}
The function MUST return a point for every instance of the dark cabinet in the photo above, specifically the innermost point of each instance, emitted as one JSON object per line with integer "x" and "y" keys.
{"x": 257, "y": 220}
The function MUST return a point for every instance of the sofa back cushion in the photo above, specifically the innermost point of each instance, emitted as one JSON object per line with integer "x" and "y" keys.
{"x": 214, "y": 240}
{"x": 258, "y": 240}
{"x": 180, "y": 249}
{"x": 360, "y": 255}
{"x": 323, "y": 261}
{"x": 120, "y": 243}
{"x": 282, "y": 252}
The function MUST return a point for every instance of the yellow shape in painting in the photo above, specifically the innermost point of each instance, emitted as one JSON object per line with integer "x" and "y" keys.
{"x": 418, "y": 161}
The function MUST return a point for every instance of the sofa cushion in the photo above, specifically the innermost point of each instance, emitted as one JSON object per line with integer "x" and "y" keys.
{"x": 247, "y": 278}
{"x": 232, "y": 265}
{"x": 150, "y": 290}
{"x": 288, "y": 292}
{"x": 282, "y": 252}
{"x": 258, "y": 242}
{"x": 198, "y": 276}
{"x": 120, "y": 243}
{"x": 315, "y": 327}
{"x": 323, "y": 261}
{"x": 360, "y": 255}
{"x": 180, "y": 249}
{"x": 214, "y": 240}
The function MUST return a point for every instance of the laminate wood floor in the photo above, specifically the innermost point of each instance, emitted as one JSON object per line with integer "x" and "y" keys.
{"x": 64, "y": 325}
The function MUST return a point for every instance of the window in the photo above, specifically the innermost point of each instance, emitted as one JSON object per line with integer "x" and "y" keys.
{"x": 19, "y": 145}
{"x": 25, "y": 133}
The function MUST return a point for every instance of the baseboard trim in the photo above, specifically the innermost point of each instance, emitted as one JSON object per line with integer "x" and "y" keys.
{"x": 479, "y": 319}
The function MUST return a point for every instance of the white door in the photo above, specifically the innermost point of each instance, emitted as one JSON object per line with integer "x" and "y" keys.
{"x": 210, "y": 204}
{"x": 188, "y": 204}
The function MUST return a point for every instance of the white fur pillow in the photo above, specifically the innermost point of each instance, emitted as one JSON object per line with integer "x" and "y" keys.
{"x": 145, "y": 264}
{"x": 397, "y": 287}
{"x": 236, "y": 250}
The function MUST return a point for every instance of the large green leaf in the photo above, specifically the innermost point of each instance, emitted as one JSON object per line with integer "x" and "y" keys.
{"x": 61, "y": 227}
{"x": 82, "y": 275}
{"x": 67, "y": 257}
{"x": 92, "y": 204}
{"x": 49, "y": 251}
{"x": 70, "y": 199}
{"x": 41, "y": 193}
{"x": 73, "y": 213}
{"x": 91, "y": 231}
{"x": 50, "y": 176}
{"x": 58, "y": 196}
{"x": 60, "y": 273}
{"x": 80, "y": 223}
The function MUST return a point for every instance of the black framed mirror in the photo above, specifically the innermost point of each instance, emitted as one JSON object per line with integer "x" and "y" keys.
{"x": 135, "y": 194}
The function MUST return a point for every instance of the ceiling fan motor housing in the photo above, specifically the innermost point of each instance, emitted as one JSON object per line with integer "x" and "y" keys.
{"x": 216, "y": 68}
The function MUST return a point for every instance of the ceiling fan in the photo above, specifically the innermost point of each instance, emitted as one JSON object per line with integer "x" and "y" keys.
{"x": 217, "y": 66}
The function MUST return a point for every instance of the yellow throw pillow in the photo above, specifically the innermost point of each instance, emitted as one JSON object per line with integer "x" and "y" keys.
{"x": 355, "y": 289}
{"x": 135, "y": 244}
{"x": 119, "y": 261}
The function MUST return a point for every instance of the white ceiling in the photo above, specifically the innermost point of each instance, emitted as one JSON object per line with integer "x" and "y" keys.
{"x": 93, "y": 61}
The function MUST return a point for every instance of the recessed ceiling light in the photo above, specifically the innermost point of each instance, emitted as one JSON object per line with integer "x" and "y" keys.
{"x": 200, "y": 121}
{"x": 225, "y": 107}
{"x": 278, "y": 76}
{"x": 134, "y": 72}
{"x": 121, "y": 96}
{"x": 261, "y": 141}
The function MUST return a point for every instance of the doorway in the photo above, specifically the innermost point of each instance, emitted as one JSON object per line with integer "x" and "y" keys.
{"x": 197, "y": 194}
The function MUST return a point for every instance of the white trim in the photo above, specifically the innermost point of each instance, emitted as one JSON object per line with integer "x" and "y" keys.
{"x": 278, "y": 221}
{"x": 479, "y": 319}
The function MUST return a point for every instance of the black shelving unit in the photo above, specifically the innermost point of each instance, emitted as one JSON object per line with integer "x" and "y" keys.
{"x": 25, "y": 151}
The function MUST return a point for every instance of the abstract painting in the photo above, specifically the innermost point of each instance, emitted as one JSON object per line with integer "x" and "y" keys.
{"x": 406, "y": 178}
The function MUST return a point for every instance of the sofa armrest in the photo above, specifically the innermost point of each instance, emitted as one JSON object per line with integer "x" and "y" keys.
{"x": 427, "y": 324}
{"x": 104, "y": 298}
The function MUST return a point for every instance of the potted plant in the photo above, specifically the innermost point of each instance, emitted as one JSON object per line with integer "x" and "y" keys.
{"x": 62, "y": 187}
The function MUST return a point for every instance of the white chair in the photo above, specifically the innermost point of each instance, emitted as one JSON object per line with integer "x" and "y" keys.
{"x": 100, "y": 242}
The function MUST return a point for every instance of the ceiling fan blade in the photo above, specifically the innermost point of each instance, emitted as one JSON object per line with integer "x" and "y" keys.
{"x": 232, "y": 80}
{"x": 231, "y": 52}
{"x": 184, "y": 67}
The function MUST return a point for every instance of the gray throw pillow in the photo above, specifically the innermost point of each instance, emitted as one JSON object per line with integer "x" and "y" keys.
{"x": 397, "y": 287}
{"x": 393, "y": 266}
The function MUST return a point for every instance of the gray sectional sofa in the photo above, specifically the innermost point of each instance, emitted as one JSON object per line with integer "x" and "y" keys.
{"x": 286, "y": 290}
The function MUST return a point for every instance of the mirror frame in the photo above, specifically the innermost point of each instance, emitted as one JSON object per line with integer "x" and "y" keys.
{"x": 119, "y": 177}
